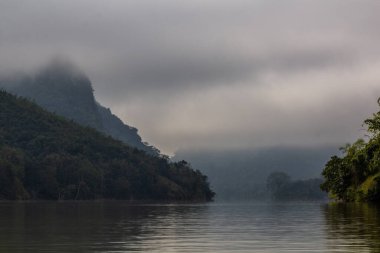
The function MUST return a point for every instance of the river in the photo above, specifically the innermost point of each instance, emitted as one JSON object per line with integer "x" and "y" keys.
{"x": 116, "y": 226}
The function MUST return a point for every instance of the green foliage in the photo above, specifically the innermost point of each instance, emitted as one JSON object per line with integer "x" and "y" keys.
{"x": 43, "y": 156}
{"x": 281, "y": 187}
{"x": 373, "y": 124}
{"x": 355, "y": 176}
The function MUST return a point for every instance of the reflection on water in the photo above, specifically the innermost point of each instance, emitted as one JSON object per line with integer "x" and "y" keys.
{"x": 90, "y": 226}
{"x": 354, "y": 227}
{"x": 113, "y": 226}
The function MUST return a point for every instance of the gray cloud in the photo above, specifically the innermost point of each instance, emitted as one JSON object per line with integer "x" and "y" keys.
{"x": 212, "y": 73}
{"x": 192, "y": 68}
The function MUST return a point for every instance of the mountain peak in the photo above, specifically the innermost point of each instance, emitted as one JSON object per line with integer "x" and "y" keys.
{"x": 63, "y": 64}
{"x": 63, "y": 88}
{"x": 62, "y": 71}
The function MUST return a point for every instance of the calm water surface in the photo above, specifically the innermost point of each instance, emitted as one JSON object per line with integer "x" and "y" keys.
{"x": 215, "y": 227}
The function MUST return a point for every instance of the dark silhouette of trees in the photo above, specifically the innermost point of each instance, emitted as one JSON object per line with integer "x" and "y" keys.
{"x": 281, "y": 187}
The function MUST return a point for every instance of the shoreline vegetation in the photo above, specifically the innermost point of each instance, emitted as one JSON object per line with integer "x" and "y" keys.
{"x": 355, "y": 176}
{"x": 282, "y": 187}
{"x": 45, "y": 156}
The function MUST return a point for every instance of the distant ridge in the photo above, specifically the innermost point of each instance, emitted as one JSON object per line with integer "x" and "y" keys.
{"x": 64, "y": 89}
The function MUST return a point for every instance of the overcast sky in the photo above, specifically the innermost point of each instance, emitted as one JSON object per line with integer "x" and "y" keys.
{"x": 212, "y": 74}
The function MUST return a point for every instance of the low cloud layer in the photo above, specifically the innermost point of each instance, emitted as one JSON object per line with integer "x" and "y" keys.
{"x": 212, "y": 74}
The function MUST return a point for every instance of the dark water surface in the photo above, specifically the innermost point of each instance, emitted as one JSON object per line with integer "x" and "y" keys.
{"x": 216, "y": 227}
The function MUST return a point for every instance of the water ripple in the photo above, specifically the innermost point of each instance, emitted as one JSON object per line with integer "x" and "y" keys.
{"x": 217, "y": 227}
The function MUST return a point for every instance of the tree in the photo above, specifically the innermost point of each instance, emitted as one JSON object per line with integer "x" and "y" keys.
{"x": 282, "y": 188}
{"x": 337, "y": 178}
{"x": 373, "y": 124}
{"x": 277, "y": 181}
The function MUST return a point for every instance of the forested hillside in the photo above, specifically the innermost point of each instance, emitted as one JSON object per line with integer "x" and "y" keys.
{"x": 113, "y": 126}
{"x": 62, "y": 88}
{"x": 45, "y": 156}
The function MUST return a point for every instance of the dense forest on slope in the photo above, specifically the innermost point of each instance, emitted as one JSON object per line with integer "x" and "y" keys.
{"x": 63, "y": 89}
{"x": 356, "y": 175}
{"x": 113, "y": 126}
{"x": 45, "y": 156}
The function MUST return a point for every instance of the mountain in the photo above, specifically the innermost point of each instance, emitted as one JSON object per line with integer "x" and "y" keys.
{"x": 45, "y": 156}
{"x": 65, "y": 90}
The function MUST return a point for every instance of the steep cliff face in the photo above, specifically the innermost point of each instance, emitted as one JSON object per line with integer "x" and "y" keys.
{"x": 63, "y": 89}
{"x": 113, "y": 126}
